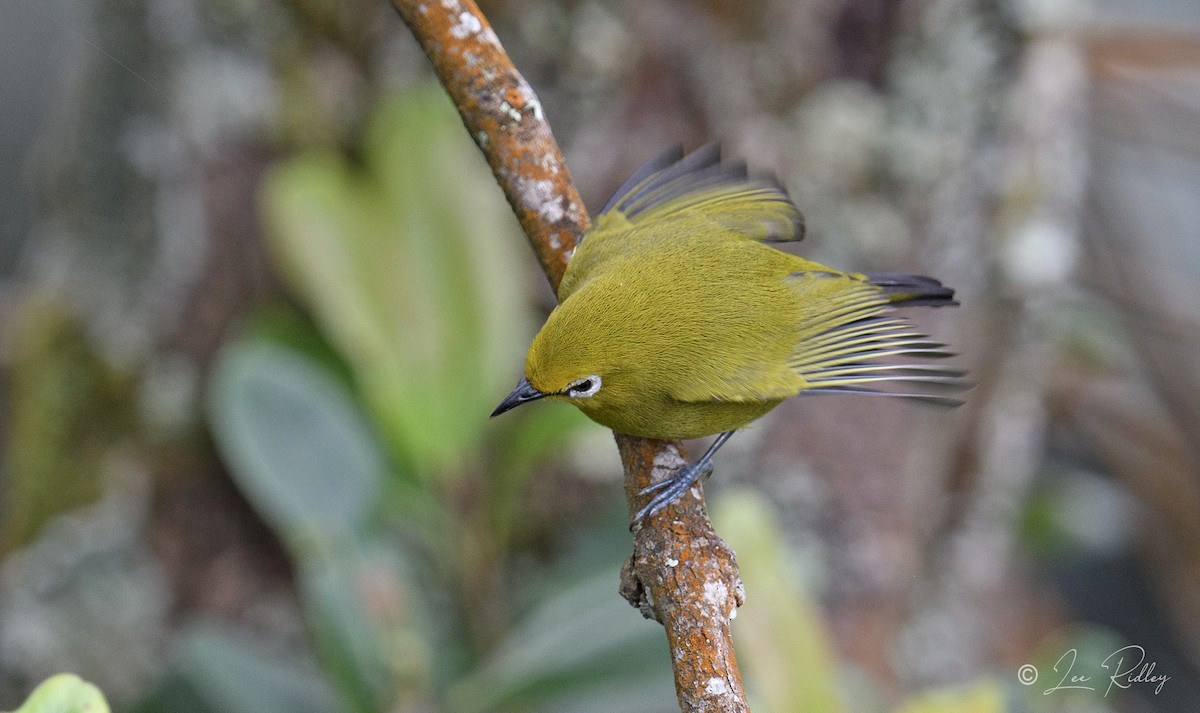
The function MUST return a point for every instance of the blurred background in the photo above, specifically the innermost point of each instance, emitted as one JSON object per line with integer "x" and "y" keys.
{"x": 258, "y": 294}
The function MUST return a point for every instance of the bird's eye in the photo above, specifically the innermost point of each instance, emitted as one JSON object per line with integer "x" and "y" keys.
{"x": 583, "y": 388}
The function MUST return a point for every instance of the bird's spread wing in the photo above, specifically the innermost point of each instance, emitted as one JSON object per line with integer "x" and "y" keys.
{"x": 669, "y": 198}
{"x": 846, "y": 340}
{"x": 755, "y": 207}
{"x": 853, "y": 345}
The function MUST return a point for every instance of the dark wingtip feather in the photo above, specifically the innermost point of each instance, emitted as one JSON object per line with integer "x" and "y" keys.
{"x": 701, "y": 166}
{"x": 647, "y": 169}
{"x": 913, "y": 290}
{"x": 673, "y": 176}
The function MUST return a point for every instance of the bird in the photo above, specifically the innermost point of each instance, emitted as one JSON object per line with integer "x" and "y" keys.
{"x": 679, "y": 319}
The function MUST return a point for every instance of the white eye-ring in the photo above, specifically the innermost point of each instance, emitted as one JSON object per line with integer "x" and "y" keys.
{"x": 583, "y": 388}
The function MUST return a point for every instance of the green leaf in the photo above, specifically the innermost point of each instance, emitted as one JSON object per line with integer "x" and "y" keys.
{"x": 296, "y": 443}
{"x": 518, "y": 445}
{"x": 409, "y": 264}
{"x": 649, "y": 692}
{"x": 579, "y": 638}
{"x": 529, "y": 437}
{"x": 302, "y": 452}
{"x": 216, "y": 669}
{"x": 787, "y": 660}
{"x": 985, "y": 696}
{"x": 364, "y": 620}
{"x": 64, "y": 693}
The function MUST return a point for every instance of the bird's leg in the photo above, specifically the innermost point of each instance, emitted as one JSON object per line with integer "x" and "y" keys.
{"x": 669, "y": 490}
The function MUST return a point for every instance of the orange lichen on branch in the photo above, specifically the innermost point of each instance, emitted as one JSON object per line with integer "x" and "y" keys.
{"x": 680, "y": 573}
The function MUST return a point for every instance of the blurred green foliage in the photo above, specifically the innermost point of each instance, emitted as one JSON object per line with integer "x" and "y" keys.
{"x": 67, "y": 408}
{"x": 64, "y": 693}
{"x": 409, "y": 263}
{"x": 986, "y": 697}
{"x": 302, "y": 453}
{"x": 398, "y": 501}
{"x": 788, "y": 661}
{"x": 216, "y": 668}
{"x": 782, "y": 646}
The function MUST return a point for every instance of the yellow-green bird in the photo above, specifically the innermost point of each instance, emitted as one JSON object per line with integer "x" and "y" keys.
{"x": 676, "y": 320}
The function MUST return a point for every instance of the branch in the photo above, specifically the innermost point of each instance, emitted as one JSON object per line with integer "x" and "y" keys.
{"x": 680, "y": 573}
{"x": 685, "y": 576}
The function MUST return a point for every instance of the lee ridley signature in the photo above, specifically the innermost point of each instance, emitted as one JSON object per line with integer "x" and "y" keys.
{"x": 1128, "y": 667}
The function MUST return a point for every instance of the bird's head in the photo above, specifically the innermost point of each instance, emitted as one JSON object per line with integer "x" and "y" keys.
{"x": 571, "y": 360}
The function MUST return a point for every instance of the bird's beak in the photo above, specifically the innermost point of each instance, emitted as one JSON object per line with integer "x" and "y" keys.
{"x": 522, "y": 394}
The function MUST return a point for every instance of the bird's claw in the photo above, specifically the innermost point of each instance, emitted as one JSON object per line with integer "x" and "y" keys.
{"x": 670, "y": 489}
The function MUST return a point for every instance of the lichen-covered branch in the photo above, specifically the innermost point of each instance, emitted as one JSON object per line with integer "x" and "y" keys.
{"x": 685, "y": 576}
{"x": 680, "y": 572}
{"x": 504, "y": 117}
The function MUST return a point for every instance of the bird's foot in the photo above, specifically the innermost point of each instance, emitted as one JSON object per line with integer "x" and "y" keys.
{"x": 669, "y": 490}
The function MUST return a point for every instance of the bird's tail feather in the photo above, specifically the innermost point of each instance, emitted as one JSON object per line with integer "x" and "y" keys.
{"x": 859, "y": 346}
